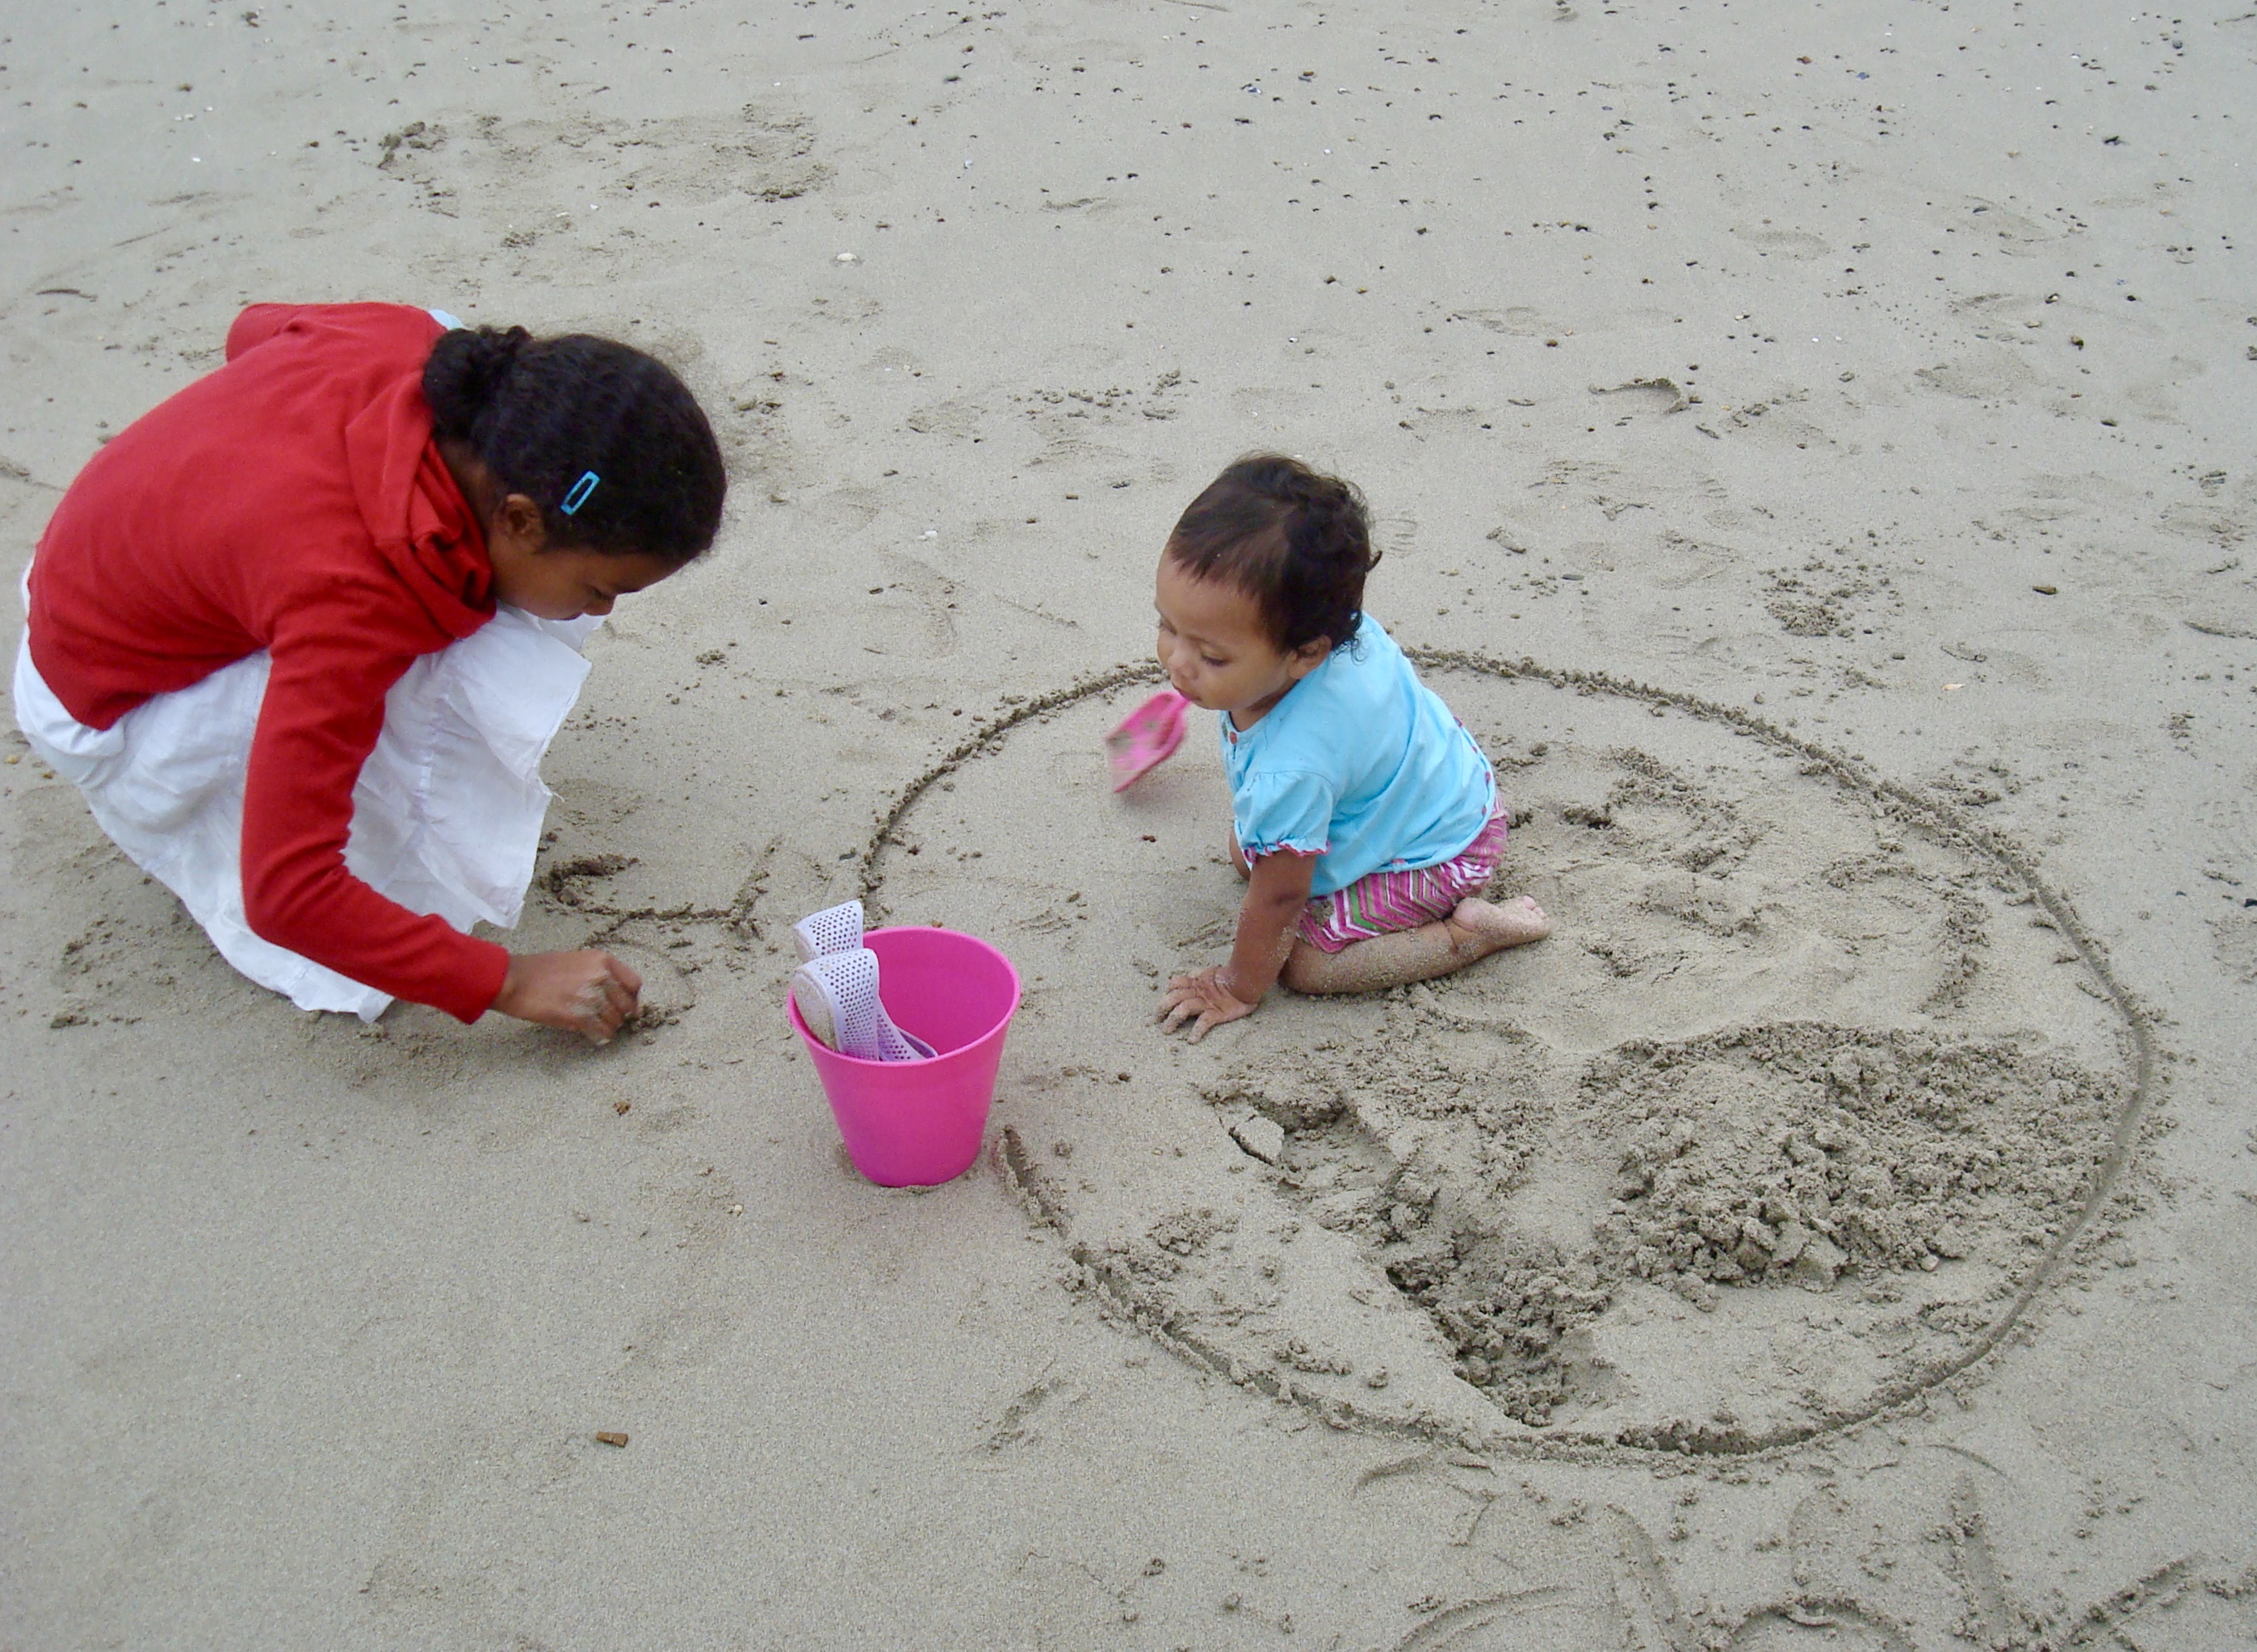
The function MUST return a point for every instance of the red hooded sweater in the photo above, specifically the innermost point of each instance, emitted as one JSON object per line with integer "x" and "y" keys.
{"x": 291, "y": 501}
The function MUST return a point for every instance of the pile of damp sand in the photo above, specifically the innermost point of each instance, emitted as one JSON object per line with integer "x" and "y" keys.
{"x": 1771, "y": 1157}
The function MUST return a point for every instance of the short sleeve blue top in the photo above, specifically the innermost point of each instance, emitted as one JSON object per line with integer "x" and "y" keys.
{"x": 1362, "y": 763}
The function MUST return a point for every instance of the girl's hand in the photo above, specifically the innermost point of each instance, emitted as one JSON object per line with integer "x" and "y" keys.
{"x": 588, "y": 993}
{"x": 1208, "y": 996}
{"x": 1275, "y": 894}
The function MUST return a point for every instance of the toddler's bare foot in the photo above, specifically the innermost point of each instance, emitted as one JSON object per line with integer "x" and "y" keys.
{"x": 1483, "y": 927}
{"x": 1474, "y": 930}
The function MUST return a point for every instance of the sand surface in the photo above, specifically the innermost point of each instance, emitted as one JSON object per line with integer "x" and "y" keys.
{"x": 1812, "y": 449}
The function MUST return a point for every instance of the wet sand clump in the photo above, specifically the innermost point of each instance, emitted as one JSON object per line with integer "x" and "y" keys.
{"x": 1805, "y": 1151}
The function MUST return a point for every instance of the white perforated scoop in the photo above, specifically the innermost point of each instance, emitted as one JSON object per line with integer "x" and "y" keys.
{"x": 833, "y": 929}
{"x": 837, "y": 997}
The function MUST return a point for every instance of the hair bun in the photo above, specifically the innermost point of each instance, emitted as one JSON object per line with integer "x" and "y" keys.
{"x": 465, "y": 372}
{"x": 586, "y": 420}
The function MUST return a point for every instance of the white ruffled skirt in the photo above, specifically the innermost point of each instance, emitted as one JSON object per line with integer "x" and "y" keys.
{"x": 447, "y": 815}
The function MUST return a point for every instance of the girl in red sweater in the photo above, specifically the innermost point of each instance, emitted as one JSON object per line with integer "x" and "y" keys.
{"x": 302, "y": 633}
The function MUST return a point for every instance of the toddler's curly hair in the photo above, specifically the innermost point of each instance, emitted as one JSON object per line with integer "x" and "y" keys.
{"x": 1297, "y": 542}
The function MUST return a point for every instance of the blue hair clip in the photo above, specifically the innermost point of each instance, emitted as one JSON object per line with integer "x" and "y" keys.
{"x": 579, "y": 496}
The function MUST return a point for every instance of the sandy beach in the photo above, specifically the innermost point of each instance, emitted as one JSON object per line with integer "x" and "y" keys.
{"x": 1812, "y": 451}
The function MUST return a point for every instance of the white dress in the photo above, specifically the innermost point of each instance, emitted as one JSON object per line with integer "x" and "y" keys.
{"x": 447, "y": 813}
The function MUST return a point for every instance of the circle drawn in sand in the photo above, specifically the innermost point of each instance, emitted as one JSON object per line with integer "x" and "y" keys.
{"x": 1795, "y": 1117}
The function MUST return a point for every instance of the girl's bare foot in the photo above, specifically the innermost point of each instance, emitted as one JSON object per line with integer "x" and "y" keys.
{"x": 1474, "y": 930}
{"x": 1483, "y": 927}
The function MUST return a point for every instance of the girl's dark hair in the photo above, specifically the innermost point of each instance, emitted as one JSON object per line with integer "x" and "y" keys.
{"x": 1294, "y": 540}
{"x": 543, "y": 413}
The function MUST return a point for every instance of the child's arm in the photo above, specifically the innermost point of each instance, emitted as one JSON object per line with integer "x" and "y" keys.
{"x": 321, "y": 716}
{"x": 588, "y": 993}
{"x": 1277, "y": 892}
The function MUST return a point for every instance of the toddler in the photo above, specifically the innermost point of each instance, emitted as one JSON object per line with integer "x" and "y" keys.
{"x": 1365, "y": 819}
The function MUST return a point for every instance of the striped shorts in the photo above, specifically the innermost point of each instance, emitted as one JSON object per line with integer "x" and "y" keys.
{"x": 1382, "y": 902}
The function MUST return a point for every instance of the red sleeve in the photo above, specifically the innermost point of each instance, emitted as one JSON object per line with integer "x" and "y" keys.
{"x": 333, "y": 663}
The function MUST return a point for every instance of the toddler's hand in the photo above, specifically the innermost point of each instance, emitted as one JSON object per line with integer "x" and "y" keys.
{"x": 588, "y": 993}
{"x": 1205, "y": 996}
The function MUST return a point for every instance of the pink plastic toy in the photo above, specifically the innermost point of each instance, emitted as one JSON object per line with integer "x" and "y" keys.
{"x": 1146, "y": 738}
{"x": 916, "y": 1123}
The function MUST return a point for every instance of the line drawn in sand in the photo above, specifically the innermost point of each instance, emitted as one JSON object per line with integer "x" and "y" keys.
{"x": 1839, "y": 1092}
{"x": 1631, "y": 1601}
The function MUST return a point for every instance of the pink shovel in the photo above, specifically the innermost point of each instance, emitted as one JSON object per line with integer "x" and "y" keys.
{"x": 1146, "y": 738}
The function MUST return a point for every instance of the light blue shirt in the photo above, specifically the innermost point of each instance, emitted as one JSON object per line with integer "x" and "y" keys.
{"x": 1361, "y": 763}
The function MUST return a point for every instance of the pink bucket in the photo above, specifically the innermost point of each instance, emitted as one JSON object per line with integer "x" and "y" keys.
{"x": 915, "y": 1124}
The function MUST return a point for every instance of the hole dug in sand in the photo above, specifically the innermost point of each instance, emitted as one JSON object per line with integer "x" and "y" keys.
{"x": 1790, "y": 1120}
